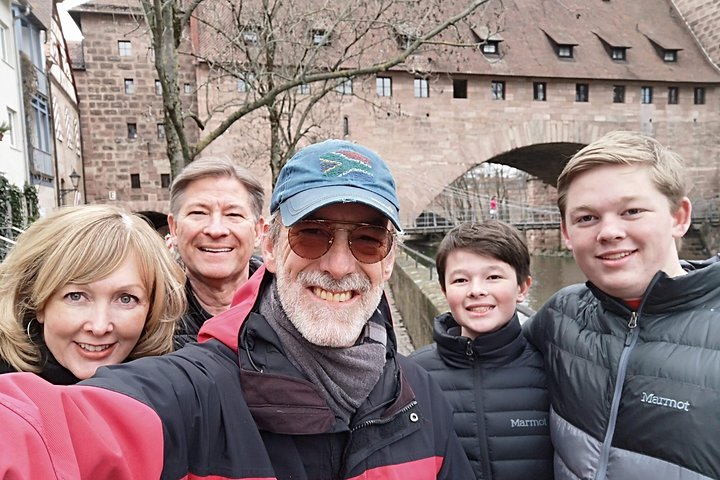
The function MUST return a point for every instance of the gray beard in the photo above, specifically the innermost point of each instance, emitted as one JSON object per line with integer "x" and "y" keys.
{"x": 323, "y": 325}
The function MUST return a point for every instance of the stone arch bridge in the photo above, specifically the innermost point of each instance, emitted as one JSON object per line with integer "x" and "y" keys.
{"x": 540, "y": 148}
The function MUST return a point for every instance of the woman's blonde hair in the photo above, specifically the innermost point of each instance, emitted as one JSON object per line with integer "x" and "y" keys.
{"x": 81, "y": 245}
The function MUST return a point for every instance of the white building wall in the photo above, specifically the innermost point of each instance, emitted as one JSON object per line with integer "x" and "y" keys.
{"x": 12, "y": 156}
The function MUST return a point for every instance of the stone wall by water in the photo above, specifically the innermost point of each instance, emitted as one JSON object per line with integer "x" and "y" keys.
{"x": 417, "y": 296}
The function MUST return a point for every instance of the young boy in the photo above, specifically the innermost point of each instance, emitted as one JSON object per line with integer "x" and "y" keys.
{"x": 493, "y": 378}
{"x": 633, "y": 356}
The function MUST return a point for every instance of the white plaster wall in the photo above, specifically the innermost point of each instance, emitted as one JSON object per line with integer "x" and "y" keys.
{"x": 12, "y": 158}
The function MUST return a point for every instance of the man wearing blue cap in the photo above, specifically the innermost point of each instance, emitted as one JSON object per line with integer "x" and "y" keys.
{"x": 300, "y": 379}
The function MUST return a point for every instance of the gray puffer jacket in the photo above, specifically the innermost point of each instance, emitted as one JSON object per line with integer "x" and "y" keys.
{"x": 635, "y": 394}
{"x": 497, "y": 388}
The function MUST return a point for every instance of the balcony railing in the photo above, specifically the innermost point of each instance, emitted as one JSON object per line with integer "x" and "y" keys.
{"x": 42, "y": 162}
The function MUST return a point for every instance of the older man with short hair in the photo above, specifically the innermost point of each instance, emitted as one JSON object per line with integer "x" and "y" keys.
{"x": 300, "y": 379}
{"x": 215, "y": 224}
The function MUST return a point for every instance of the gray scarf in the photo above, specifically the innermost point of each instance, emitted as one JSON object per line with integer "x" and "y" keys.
{"x": 345, "y": 376}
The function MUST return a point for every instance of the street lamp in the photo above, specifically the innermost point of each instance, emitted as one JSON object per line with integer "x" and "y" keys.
{"x": 75, "y": 181}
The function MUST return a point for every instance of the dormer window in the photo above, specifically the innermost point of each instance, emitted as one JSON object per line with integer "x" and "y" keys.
{"x": 404, "y": 41}
{"x": 488, "y": 40}
{"x": 666, "y": 49}
{"x": 249, "y": 37}
{"x": 491, "y": 47}
{"x": 565, "y": 51}
{"x": 320, "y": 37}
{"x": 405, "y": 35}
{"x": 618, "y": 53}
{"x": 615, "y": 44}
{"x": 561, "y": 41}
{"x": 670, "y": 55}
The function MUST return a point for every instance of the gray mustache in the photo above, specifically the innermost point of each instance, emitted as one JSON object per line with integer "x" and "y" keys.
{"x": 354, "y": 281}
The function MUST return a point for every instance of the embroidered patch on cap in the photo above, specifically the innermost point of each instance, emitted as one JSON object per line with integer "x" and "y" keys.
{"x": 345, "y": 162}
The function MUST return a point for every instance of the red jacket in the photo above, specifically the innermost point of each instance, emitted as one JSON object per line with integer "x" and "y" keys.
{"x": 204, "y": 412}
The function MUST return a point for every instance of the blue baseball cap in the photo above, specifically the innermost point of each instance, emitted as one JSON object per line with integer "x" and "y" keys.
{"x": 334, "y": 171}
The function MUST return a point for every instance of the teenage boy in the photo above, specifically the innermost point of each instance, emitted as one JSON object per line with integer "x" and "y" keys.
{"x": 493, "y": 378}
{"x": 633, "y": 356}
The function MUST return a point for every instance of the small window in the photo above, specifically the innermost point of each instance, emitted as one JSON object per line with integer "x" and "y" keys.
{"x": 57, "y": 121}
{"x": 618, "y": 53}
{"x": 699, "y": 96}
{"x": 421, "y": 88}
{"x": 345, "y": 88}
{"x": 158, "y": 87}
{"x": 491, "y": 47}
{"x": 383, "y": 86}
{"x": 187, "y": 88}
{"x": 245, "y": 82}
{"x": 250, "y": 37}
{"x": 134, "y": 180}
{"x": 565, "y": 51}
{"x": 404, "y": 41}
{"x": 670, "y": 55}
{"x": 498, "y": 90}
{"x": 540, "y": 91}
{"x": 132, "y": 131}
{"x": 12, "y": 123}
{"x": 619, "y": 94}
{"x": 303, "y": 89}
{"x": 646, "y": 95}
{"x": 3, "y": 42}
{"x": 673, "y": 95}
{"x": 129, "y": 86}
{"x": 124, "y": 48}
{"x": 460, "y": 88}
{"x": 160, "y": 131}
{"x": 164, "y": 180}
{"x": 346, "y": 126}
{"x": 77, "y": 138}
{"x": 320, "y": 37}
{"x": 582, "y": 92}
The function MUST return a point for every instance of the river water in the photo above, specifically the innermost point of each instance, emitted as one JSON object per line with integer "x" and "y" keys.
{"x": 549, "y": 273}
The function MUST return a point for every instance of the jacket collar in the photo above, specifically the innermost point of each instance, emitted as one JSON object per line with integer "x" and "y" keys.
{"x": 225, "y": 327}
{"x": 280, "y": 399}
{"x": 666, "y": 294}
{"x": 495, "y": 348}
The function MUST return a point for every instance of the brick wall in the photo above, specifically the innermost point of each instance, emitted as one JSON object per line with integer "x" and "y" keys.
{"x": 111, "y": 157}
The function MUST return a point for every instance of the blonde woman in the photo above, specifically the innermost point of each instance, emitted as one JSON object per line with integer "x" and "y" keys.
{"x": 86, "y": 287}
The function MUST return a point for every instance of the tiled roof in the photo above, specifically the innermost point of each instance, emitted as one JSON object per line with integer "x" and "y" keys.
{"x": 109, "y": 6}
{"x": 526, "y": 30}
{"x": 634, "y": 24}
{"x": 42, "y": 9}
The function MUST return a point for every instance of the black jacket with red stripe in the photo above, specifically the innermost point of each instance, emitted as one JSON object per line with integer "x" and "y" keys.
{"x": 208, "y": 411}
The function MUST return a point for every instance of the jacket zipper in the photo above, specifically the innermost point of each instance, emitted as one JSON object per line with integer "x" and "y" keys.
{"x": 370, "y": 423}
{"x": 630, "y": 341}
{"x": 469, "y": 349}
{"x": 382, "y": 421}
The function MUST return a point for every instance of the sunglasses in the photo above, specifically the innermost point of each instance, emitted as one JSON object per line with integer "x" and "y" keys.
{"x": 311, "y": 239}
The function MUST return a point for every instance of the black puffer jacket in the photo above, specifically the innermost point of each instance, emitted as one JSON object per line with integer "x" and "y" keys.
{"x": 635, "y": 394}
{"x": 497, "y": 388}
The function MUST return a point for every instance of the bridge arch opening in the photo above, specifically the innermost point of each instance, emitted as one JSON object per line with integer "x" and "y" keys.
{"x": 517, "y": 186}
